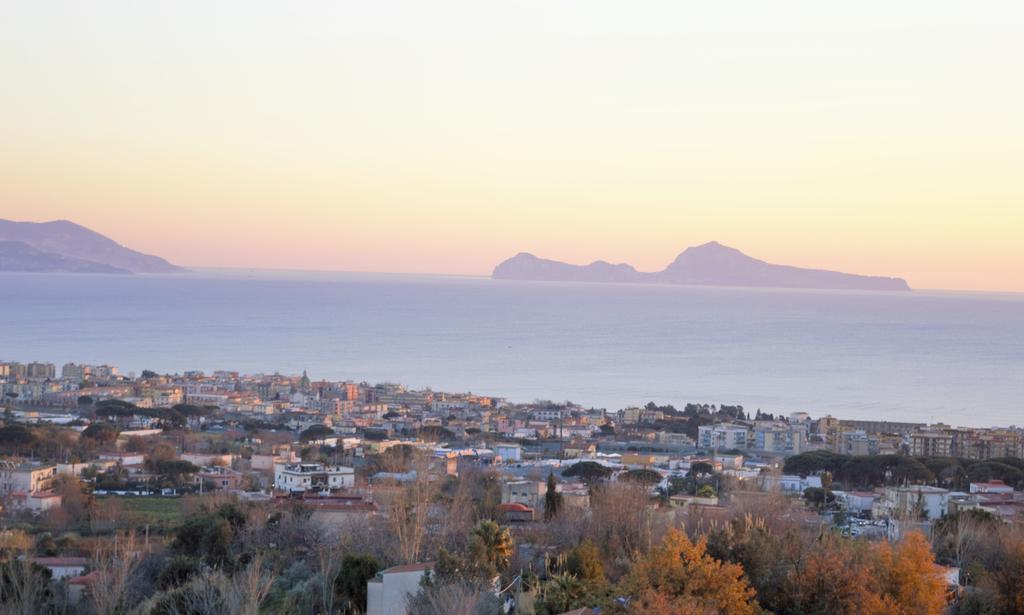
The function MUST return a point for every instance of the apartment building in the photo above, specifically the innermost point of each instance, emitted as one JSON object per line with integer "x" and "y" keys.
{"x": 944, "y": 441}
{"x": 724, "y": 436}
{"x": 26, "y": 478}
{"x": 301, "y": 477}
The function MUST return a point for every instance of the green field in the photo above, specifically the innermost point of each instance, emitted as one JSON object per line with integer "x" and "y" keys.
{"x": 155, "y": 511}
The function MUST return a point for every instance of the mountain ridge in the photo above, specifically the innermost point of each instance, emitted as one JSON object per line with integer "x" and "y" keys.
{"x": 708, "y": 264}
{"x": 18, "y": 256}
{"x": 73, "y": 241}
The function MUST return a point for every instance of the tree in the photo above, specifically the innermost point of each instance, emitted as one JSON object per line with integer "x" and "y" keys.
{"x": 819, "y": 497}
{"x": 705, "y": 491}
{"x": 552, "y": 499}
{"x": 209, "y": 536}
{"x": 24, "y": 587}
{"x": 435, "y": 433}
{"x": 315, "y": 432}
{"x": 910, "y": 581}
{"x": 1001, "y": 575}
{"x": 957, "y": 538}
{"x": 455, "y": 598}
{"x": 113, "y": 564}
{"x": 101, "y": 433}
{"x": 15, "y": 438}
{"x": 835, "y": 578}
{"x": 491, "y": 546}
{"x": 679, "y": 576}
{"x": 564, "y": 592}
{"x": 584, "y": 561}
{"x": 408, "y": 512}
{"x": 643, "y": 477}
{"x": 589, "y": 472}
{"x": 350, "y": 584}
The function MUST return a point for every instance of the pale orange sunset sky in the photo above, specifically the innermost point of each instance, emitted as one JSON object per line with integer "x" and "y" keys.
{"x": 875, "y": 137}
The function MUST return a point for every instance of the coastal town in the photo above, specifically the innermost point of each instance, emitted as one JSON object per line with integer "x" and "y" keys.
{"x": 89, "y": 452}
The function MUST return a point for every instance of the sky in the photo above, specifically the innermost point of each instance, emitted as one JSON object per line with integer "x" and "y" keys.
{"x": 442, "y": 137}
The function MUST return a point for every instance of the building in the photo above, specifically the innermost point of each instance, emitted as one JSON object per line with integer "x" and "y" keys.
{"x": 218, "y": 478}
{"x": 62, "y": 567}
{"x": 301, "y": 477}
{"x": 912, "y": 502}
{"x": 881, "y": 427}
{"x": 509, "y": 453}
{"x": 780, "y": 438}
{"x": 857, "y": 443}
{"x": 993, "y": 487}
{"x": 638, "y": 461}
{"x": 41, "y": 371}
{"x": 935, "y": 443}
{"x": 857, "y": 503}
{"x": 529, "y": 493}
{"x": 789, "y": 483}
{"x": 980, "y": 444}
{"x": 517, "y": 513}
{"x": 26, "y": 478}
{"x": 75, "y": 373}
{"x": 38, "y": 502}
{"x": 725, "y": 436}
{"x": 334, "y": 511}
{"x": 389, "y": 591}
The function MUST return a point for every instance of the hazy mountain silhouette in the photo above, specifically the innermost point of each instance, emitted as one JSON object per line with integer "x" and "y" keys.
{"x": 710, "y": 264}
{"x": 19, "y": 256}
{"x": 76, "y": 243}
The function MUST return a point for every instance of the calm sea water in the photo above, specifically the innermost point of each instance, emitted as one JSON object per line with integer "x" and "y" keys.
{"x": 925, "y": 356}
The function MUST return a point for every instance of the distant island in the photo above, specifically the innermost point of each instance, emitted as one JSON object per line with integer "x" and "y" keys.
{"x": 61, "y": 246}
{"x": 710, "y": 264}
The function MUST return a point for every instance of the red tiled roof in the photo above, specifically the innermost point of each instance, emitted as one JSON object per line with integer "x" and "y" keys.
{"x": 85, "y": 579}
{"x": 513, "y": 507}
{"x": 409, "y": 568}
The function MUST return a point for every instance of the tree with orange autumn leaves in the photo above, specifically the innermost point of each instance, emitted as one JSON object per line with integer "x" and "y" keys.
{"x": 844, "y": 577}
{"x": 835, "y": 576}
{"x": 678, "y": 576}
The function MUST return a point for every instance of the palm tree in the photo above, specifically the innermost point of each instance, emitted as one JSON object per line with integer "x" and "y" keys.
{"x": 492, "y": 545}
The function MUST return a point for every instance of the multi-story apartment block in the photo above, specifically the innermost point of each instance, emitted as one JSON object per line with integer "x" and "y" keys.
{"x": 40, "y": 371}
{"x": 300, "y": 477}
{"x": 17, "y": 371}
{"x": 73, "y": 372}
{"x": 722, "y": 436}
{"x": 780, "y": 438}
{"x": 26, "y": 478}
{"x": 944, "y": 441}
{"x": 856, "y": 443}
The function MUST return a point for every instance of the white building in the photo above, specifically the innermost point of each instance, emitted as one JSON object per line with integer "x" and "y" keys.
{"x": 859, "y": 503}
{"x": 526, "y": 492}
{"x": 790, "y": 483}
{"x": 26, "y": 478}
{"x": 388, "y": 593}
{"x": 62, "y": 567}
{"x": 298, "y": 477}
{"x": 996, "y": 487}
{"x": 724, "y": 436}
{"x": 912, "y": 502}
{"x": 509, "y": 452}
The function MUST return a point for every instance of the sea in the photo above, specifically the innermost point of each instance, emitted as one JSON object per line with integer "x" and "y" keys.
{"x": 923, "y": 356}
